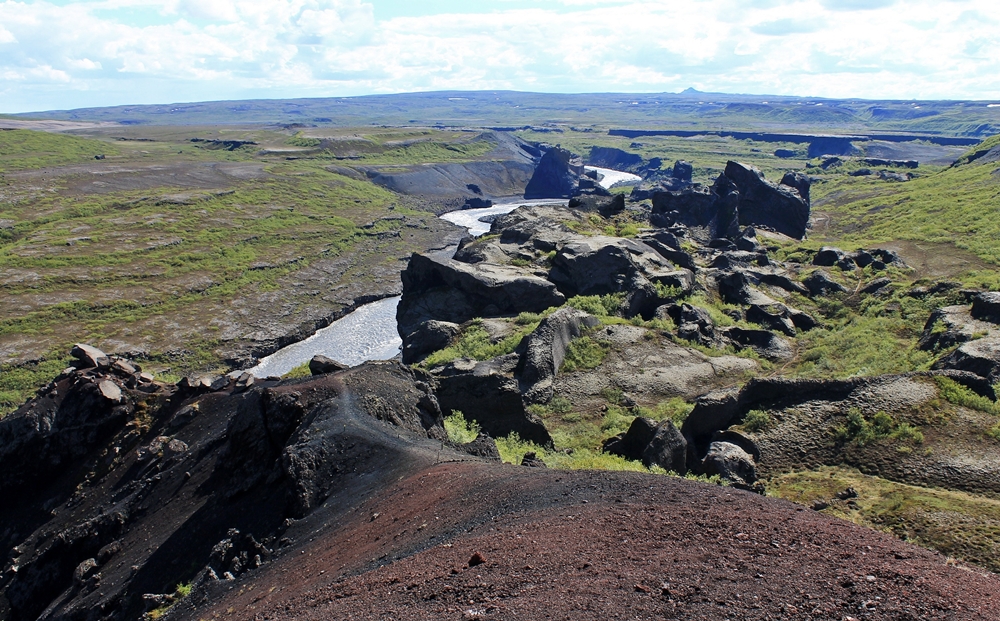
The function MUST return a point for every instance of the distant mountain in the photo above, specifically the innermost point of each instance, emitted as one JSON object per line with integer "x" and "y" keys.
{"x": 689, "y": 109}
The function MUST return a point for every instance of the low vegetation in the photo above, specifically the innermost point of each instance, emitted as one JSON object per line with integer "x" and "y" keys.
{"x": 960, "y": 525}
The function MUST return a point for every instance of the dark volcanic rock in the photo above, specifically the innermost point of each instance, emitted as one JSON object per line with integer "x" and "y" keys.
{"x": 828, "y": 257}
{"x": 321, "y": 364}
{"x": 763, "y": 203}
{"x": 451, "y": 291}
{"x": 545, "y": 351}
{"x": 732, "y": 463}
{"x": 428, "y": 337}
{"x": 667, "y": 449}
{"x": 556, "y": 176}
{"x": 632, "y": 443}
{"x": 764, "y": 342}
{"x": 532, "y": 460}
{"x": 981, "y": 357}
{"x": 90, "y": 356}
{"x": 820, "y": 283}
{"x": 683, "y": 171}
{"x": 483, "y": 446}
{"x": 986, "y": 306}
{"x": 798, "y": 181}
{"x": 489, "y": 396}
{"x": 602, "y": 265}
{"x": 697, "y": 207}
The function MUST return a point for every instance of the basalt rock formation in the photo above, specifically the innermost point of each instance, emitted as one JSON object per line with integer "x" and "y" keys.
{"x": 740, "y": 196}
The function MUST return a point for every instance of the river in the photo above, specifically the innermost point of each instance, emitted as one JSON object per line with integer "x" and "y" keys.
{"x": 369, "y": 333}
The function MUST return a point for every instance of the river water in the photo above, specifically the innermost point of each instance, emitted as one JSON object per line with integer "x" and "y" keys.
{"x": 369, "y": 333}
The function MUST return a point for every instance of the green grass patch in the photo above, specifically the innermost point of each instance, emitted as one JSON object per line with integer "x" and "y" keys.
{"x": 955, "y": 393}
{"x": 24, "y": 149}
{"x": 584, "y": 353}
{"x": 300, "y": 371}
{"x": 475, "y": 343}
{"x": 598, "y": 305}
{"x": 960, "y": 525}
{"x": 18, "y": 383}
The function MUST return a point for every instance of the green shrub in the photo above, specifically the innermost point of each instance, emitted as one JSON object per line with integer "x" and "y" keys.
{"x": 957, "y": 394}
{"x": 512, "y": 449}
{"x": 668, "y": 292}
{"x": 598, "y": 305}
{"x": 756, "y": 420}
{"x": 862, "y": 431}
{"x": 584, "y": 353}
{"x": 460, "y": 430}
{"x": 560, "y": 404}
{"x": 616, "y": 420}
{"x": 994, "y": 432}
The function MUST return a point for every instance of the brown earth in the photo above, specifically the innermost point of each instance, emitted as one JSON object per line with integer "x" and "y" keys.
{"x": 587, "y": 545}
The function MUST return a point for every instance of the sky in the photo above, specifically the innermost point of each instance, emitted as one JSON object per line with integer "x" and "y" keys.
{"x": 63, "y": 54}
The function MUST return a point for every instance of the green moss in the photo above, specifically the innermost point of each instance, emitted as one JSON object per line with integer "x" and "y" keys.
{"x": 18, "y": 383}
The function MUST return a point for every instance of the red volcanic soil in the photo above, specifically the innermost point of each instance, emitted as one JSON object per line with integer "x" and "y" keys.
{"x": 468, "y": 540}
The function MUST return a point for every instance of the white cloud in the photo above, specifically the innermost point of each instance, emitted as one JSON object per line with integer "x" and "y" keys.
{"x": 67, "y": 56}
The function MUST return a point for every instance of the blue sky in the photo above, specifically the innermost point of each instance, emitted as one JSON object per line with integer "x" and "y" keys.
{"x": 74, "y": 53}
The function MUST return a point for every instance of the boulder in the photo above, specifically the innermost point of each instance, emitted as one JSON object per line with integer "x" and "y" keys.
{"x": 747, "y": 241}
{"x": 773, "y": 317}
{"x": 740, "y": 439}
{"x": 486, "y": 394}
{"x": 735, "y": 288}
{"x": 90, "y": 356}
{"x": 532, "y": 460}
{"x": 876, "y": 285}
{"x": 450, "y": 291}
{"x": 798, "y": 181}
{"x": 820, "y": 283}
{"x": 556, "y": 176}
{"x": 545, "y": 351}
{"x": 683, "y": 171}
{"x": 981, "y": 357}
{"x": 762, "y": 203}
{"x": 483, "y": 446}
{"x": 693, "y": 323}
{"x": 731, "y": 463}
{"x": 707, "y": 214}
{"x": 953, "y": 325}
{"x": 602, "y": 265}
{"x": 828, "y": 256}
{"x": 429, "y": 336}
{"x": 986, "y": 306}
{"x": 321, "y": 364}
{"x": 765, "y": 343}
{"x": 667, "y": 449}
{"x": 110, "y": 391}
{"x": 632, "y": 443}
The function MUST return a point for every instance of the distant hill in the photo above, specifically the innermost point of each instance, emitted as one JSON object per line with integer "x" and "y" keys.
{"x": 687, "y": 110}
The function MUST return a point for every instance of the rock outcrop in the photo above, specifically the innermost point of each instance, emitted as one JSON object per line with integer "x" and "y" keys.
{"x": 740, "y": 196}
{"x": 445, "y": 290}
{"x": 556, "y": 176}
{"x": 104, "y": 498}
